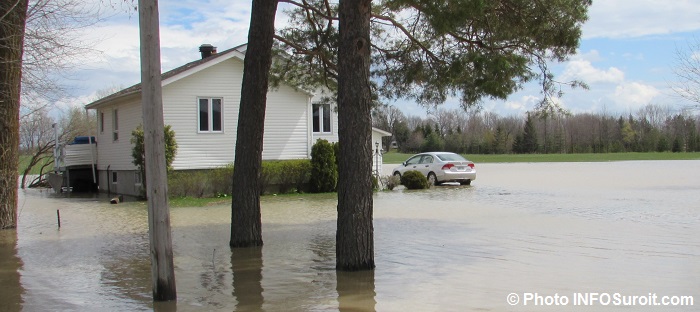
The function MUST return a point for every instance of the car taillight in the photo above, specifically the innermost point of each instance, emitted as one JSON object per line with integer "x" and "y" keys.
{"x": 471, "y": 166}
{"x": 447, "y": 166}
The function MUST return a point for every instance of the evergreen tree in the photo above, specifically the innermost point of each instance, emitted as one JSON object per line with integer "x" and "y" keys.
{"x": 529, "y": 143}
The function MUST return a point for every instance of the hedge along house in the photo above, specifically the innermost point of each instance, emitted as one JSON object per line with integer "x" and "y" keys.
{"x": 200, "y": 103}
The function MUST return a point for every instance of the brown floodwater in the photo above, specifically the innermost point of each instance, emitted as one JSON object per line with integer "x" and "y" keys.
{"x": 630, "y": 228}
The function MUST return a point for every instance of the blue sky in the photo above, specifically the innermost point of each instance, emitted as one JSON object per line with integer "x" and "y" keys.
{"x": 627, "y": 53}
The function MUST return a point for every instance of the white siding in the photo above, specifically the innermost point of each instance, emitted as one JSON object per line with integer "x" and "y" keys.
{"x": 285, "y": 121}
{"x": 286, "y": 125}
{"x": 79, "y": 154}
{"x": 377, "y": 159}
{"x": 117, "y": 154}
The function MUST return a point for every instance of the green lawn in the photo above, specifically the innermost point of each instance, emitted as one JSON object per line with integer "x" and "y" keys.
{"x": 397, "y": 158}
{"x": 24, "y": 162}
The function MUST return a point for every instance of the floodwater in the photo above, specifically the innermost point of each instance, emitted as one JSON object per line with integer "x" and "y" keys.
{"x": 541, "y": 229}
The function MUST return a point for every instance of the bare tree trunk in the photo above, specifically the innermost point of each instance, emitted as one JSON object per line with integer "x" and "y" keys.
{"x": 14, "y": 17}
{"x": 162, "y": 269}
{"x": 355, "y": 233}
{"x": 246, "y": 228}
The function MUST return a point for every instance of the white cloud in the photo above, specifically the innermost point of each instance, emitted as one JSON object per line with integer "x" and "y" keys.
{"x": 636, "y": 18}
{"x": 630, "y": 96}
{"x": 580, "y": 69}
{"x": 523, "y": 104}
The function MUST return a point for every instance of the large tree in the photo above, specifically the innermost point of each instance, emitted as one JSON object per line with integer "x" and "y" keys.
{"x": 246, "y": 228}
{"x": 13, "y": 14}
{"x": 355, "y": 231}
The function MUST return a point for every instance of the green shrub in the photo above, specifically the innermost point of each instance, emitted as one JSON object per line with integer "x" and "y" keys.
{"x": 324, "y": 172}
{"x": 286, "y": 175}
{"x": 414, "y": 180}
{"x": 138, "y": 151}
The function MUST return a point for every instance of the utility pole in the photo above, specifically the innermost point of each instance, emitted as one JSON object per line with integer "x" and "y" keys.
{"x": 162, "y": 268}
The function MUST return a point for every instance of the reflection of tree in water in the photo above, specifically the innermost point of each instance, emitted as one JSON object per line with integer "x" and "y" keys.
{"x": 212, "y": 279}
{"x": 323, "y": 246}
{"x": 10, "y": 288}
{"x": 356, "y": 291}
{"x": 128, "y": 269}
{"x": 247, "y": 264}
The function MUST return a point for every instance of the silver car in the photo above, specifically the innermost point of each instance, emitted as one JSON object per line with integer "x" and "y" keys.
{"x": 440, "y": 167}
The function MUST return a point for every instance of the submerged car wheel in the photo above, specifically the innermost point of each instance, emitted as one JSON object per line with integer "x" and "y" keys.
{"x": 468, "y": 182}
{"x": 432, "y": 179}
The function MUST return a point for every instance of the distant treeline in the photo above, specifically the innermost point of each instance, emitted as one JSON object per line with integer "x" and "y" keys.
{"x": 653, "y": 128}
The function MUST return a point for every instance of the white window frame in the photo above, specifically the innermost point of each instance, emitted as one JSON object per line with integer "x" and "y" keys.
{"x": 114, "y": 177}
{"x": 322, "y": 109}
{"x": 210, "y": 116}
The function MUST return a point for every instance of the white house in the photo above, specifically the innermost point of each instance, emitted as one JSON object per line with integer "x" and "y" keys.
{"x": 200, "y": 103}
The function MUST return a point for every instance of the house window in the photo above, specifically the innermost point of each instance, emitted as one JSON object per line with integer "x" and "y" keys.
{"x": 138, "y": 179}
{"x": 114, "y": 177}
{"x": 210, "y": 115}
{"x": 322, "y": 118}
{"x": 102, "y": 122}
{"x": 115, "y": 125}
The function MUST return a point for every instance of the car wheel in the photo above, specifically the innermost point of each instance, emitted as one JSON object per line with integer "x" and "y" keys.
{"x": 468, "y": 182}
{"x": 432, "y": 179}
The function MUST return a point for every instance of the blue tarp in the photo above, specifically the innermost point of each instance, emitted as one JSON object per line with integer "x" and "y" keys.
{"x": 83, "y": 140}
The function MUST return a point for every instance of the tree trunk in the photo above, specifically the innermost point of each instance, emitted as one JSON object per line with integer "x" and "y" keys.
{"x": 355, "y": 232}
{"x": 246, "y": 226}
{"x": 162, "y": 269}
{"x": 12, "y": 21}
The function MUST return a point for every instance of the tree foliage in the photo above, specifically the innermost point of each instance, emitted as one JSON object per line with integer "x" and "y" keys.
{"x": 138, "y": 152}
{"x": 430, "y": 51}
{"x": 651, "y": 128}
{"x": 529, "y": 136}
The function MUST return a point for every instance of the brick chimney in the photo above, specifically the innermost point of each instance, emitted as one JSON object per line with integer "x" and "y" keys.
{"x": 207, "y": 50}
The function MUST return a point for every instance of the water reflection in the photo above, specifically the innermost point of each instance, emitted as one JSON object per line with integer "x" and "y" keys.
{"x": 247, "y": 264}
{"x": 356, "y": 291}
{"x": 11, "y": 290}
{"x": 546, "y": 228}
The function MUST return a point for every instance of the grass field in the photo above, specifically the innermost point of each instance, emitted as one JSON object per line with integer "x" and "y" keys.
{"x": 397, "y": 158}
{"x": 24, "y": 161}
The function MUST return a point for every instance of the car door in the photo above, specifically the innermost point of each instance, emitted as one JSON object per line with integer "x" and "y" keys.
{"x": 425, "y": 164}
{"x": 412, "y": 163}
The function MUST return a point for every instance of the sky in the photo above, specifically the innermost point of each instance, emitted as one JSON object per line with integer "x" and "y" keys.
{"x": 628, "y": 53}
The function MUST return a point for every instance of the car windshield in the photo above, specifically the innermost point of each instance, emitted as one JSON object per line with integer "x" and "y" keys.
{"x": 450, "y": 157}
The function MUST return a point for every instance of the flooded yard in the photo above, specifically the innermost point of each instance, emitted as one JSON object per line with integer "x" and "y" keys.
{"x": 540, "y": 229}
